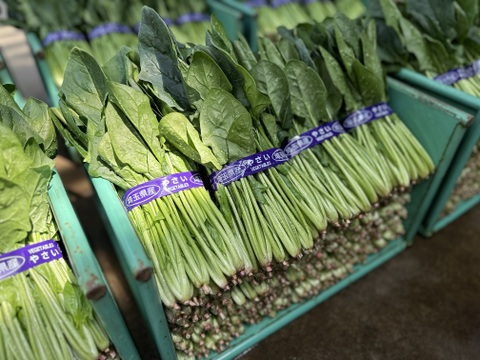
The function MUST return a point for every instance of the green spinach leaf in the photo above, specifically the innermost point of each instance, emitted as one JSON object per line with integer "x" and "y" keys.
{"x": 159, "y": 61}
{"x": 272, "y": 82}
{"x": 226, "y": 127}
{"x": 178, "y": 131}
{"x": 308, "y": 92}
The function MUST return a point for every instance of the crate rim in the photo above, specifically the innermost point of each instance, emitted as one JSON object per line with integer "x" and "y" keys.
{"x": 84, "y": 264}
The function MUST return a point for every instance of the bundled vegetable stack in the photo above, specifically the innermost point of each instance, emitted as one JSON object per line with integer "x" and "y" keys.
{"x": 191, "y": 244}
{"x": 100, "y": 27}
{"x": 290, "y": 13}
{"x": 468, "y": 183}
{"x": 343, "y": 52}
{"x": 441, "y": 42}
{"x": 43, "y": 312}
{"x": 216, "y": 320}
{"x": 56, "y": 23}
{"x": 107, "y": 32}
{"x": 287, "y": 219}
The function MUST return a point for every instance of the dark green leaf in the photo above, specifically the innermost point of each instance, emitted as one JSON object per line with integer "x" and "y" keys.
{"x": 347, "y": 54}
{"x": 84, "y": 87}
{"x": 226, "y": 127}
{"x": 434, "y": 17}
{"x": 308, "y": 92}
{"x": 127, "y": 147}
{"x": 159, "y": 61}
{"x": 391, "y": 14}
{"x": 71, "y": 140}
{"x": 288, "y": 50}
{"x": 178, "y": 130}
{"x": 258, "y": 101}
{"x": 39, "y": 120}
{"x": 335, "y": 98}
{"x": 341, "y": 81}
{"x": 370, "y": 57}
{"x": 369, "y": 84}
{"x": 245, "y": 56}
{"x": 6, "y": 98}
{"x": 204, "y": 74}
{"x": 118, "y": 67}
{"x": 350, "y": 32}
{"x": 270, "y": 125}
{"x": 136, "y": 107}
{"x": 218, "y": 37}
{"x": 272, "y": 53}
{"x": 14, "y": 202}
{"x": 15, "y": 120}
{"x": 271, "y": 81}
{"x": 108, "y": 166}
{"x": 415, "y": 43}
{"x": 229, "y": 68}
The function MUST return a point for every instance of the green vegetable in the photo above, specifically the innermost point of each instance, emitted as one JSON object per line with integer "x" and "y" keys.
{"x": 46, "y": 16}
{"x": 435, "y": 40}
{"x": 225, "y": 117}
{"x": 347, "y": 50}
{"x": 43, "y": 313}
{"x": 271, "y": 16}
{"x": 296, "y": 229}
{"x": 190, "y": 243}
{"x": 98, "y": 13}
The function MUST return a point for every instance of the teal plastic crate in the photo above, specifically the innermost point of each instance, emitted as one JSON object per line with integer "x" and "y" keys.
{"x": 6, "y": 78}
{"x": 448, "y": 124}
{"x": 232, "y": 19}
{"x": 471, "y": 105}
{"x": 249, "y": 21}
{"x": 89, "y": 274}
{"x": 441, "y": 129}
{"x": 42, "y": 66}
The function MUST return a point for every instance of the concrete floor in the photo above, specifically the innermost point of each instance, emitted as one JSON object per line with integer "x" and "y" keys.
{"x": 423, "y": 304}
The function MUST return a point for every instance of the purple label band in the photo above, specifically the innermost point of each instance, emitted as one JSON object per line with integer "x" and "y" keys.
{"x": 163, "y": 186}
{"x": 60, "y": 36}
{"x": 267, "y": 159}
{"x": 109, "y": 28}
{"x": 256, "y": 3}
{"x": 192, "y": 18}
{"x": 28, "y": 257}
{"x": 365, "y": 115}
{"x": 312, "y": 138}
{"x": 278, "y": 3}
{"x": 455, "y": 75}
{"x": 247, "y": 166}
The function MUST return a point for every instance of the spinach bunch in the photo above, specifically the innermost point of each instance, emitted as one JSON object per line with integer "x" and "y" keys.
{"x": 431, "y": 38}
{"x": 347, "y": 184}
{"x": 344, "y": 51}
{"x": 114, "y": 128}
{"x": 434, "y": 39}
{"x": 43, "y": 312}
{"x": 272, "y": 209}
{"x": 272, "y": 14}
{"x": 98, "y": 13}
{"x": 46, "y": 16}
